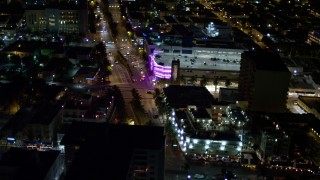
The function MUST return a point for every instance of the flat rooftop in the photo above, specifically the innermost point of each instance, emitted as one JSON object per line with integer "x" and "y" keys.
{"x": 110, "y": 145}
{"x": 202, "y": 61}
{"x": 183, "y": 96}
{"x": 265, "y": 60}
{"x": 19, "y": 163}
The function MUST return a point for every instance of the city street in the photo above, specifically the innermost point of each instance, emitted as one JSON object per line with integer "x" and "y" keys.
{"x": 128, "y": 72}
{"x": 292, "y": 104}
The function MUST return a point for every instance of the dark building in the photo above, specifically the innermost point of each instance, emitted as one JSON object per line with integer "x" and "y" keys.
{"x": 101, "y": 151}
{"x": 36, "y": 123}
{"x": 264, "y": 81}
{"x": 20, "y": 163}
{"x": 184, "y": 96}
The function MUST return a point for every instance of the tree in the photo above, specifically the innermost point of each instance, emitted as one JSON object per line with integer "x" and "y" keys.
{"x": 119, "y": 102}
{"x": 135, "y": 94}
{"x": 215, "y": 83}
{"x": 204, "y": 81}
{"x": 182, "y": 79}
{"x": 227, "y": 83}
{"x": 2, "y": 44}
{"x": 137, "y": 100}
{"x": 163, "y": 82}
{"x": 193, "y": 79}
{"x": 101, "y": 48}
{"x": 160, "y": 102}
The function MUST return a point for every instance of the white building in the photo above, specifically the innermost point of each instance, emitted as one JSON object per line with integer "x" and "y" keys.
{"x": 212, "y": 63}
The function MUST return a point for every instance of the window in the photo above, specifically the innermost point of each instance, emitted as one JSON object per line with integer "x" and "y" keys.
{"x": 186, "y": 51}
{"x": 176, "y": 51}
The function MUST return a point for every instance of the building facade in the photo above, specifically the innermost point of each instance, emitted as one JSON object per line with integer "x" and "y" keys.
{"x": 220, "y": 63}
{"x": 264, "y": 81}
{"x": 314, "y": 37}
{"x": 58, "y": 20}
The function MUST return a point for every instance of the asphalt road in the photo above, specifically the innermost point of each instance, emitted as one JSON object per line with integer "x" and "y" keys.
{"x": 125, "y": 74}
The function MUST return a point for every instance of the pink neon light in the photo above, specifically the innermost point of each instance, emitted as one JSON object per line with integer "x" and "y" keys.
{"x": 160, "y": 71}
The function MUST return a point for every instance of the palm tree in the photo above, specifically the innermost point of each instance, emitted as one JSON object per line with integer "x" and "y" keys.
{"x": 137, "y": 100}
{"x": 227, "y": 83}
{"x": 156, "y": 93}
{"x": 182, "y": 79}
{"x": 101, "y": 48}
{"x": 193, "y": 79}
{"x": 215, "y": 83}
{"x": 119, "y": 102}
{"x": 163, "y": 82}
{"x": 204, "y": 81}
{"x": 135, "y": 94}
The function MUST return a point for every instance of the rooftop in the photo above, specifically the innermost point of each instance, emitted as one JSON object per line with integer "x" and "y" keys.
{"x": 182, "y": 96}
{"x": 265, "y": 60}
{"x": 87, "y": 71}
{"x": 37, "y": 114}
{"x": 190, "y": 59}
{"x": 114, "y": 143}
{"x": 45, "y": 113}
{"x": 27, "y": 164}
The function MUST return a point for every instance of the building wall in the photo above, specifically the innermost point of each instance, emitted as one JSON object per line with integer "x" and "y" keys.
{"x": 269, "y": 91}
{"x": 164, "y": 71}
{"x": 70, "y": 151}
{"x": 274, "y": 145}
{"x": 313, "y": 38}
{"x": 153, "y": 167}
{"x": 246, "y": 78}
{"x": 264, "y": 90}
{"x": 35, "y": 20}
{"x": 47, "y": 132}
{"x": 56, "y": 169}
{"x": 57, "y": 20}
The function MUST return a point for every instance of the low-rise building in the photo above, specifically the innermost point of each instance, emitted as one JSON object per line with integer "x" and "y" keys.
{"x": 219, "y": 63}
{"x": 22, "y": 48}
{"x": 37, "y": 123}
{"x": 198, "y": 123}
{"x": 20, "y": 163}
{"x": 121, "y": 152}
{"x": 274, "y": 142}
{"x": 313, "y": 37}
{"x": 86, "y": 75}
{"x": 87, "y": 108}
